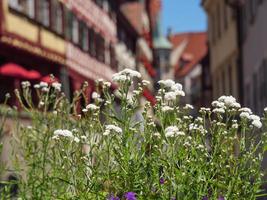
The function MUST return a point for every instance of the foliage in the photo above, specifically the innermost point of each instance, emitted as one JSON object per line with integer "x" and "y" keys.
{"x": 104, "y": 153}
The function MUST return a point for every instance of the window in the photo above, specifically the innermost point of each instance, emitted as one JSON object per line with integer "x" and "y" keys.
{"x": 83, "y": 39}
{"x": 57, "y": 16}
{"x": 113, "y": 62}
{"x": 92, "y": 43}
{"x": 24, "y": 6}
{"x": 100, "y": 50}
{"x": 75, "y": 30}
{"x": 68, "y": 24}
{"x": 43, "y": 12}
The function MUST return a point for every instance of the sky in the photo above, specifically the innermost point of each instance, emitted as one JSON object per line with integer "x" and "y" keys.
{"x": 183, "y": 16}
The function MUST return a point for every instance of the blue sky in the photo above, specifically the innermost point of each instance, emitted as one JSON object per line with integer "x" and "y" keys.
{"x": 183, "y": 15}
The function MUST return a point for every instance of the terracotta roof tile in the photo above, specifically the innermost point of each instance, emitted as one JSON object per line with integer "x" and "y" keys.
{"x": 194, "y": 51}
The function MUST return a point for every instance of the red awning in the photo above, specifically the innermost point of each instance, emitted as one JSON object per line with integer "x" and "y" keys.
{"x": 149, "y": 96}
{"x": 48, "y": 79}
{"x": 16, "y": 71}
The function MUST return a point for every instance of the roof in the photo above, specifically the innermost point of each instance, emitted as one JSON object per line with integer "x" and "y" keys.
{"x": 161, "y": 42}
{"x": 193, "y": 52}
{"x": 133, "y": 13}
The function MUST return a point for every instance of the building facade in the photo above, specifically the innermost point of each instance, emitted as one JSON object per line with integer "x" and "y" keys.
{"x": 189, "y": 49}
{"x": 75, "y": 40}
{"x": 254, "y": 46}
{"x": 223, "y": 47}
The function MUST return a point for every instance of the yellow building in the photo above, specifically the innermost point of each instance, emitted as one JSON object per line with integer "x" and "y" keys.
{"x": 223, "y": 44}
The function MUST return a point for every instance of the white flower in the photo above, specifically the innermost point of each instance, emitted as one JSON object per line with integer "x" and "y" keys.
{"x": 131, "y": 73}
{"x": 126, "y": 74}
{"x": 106, "y": 132}
{"x": 76, "y": 139}
{"x": 248, "y": 110}
{"x": 236, "y": 105}
{"x": 257, "y": 123}
{"x": 25, "y": 84}
{"x": 57, "y": 86}
{"x": 180, "y": 93}
{"x": 255, "y": 117}
{"x": 218, "y": 110}
{"x": 244, "y": 115}
{"x": 189, "y": 106}
{"x": 157, "y": 134}
{"x": 177, "y": 87}
{"x": 43, "y": 84}
{"x": 218, "y": 104}
{"x": 173, "y": 131}
{"x": 170, "y": 96}
{"x": 83, "y": 137}
{"x": 181, "y": 133}
{"x": 113, "y": 128}
{"x": 204, "y": 110}
{"x": 36, "y": 86}
{"x": 145, "y": 82}
{"x": 265, "y": 109}
{"x": 166, "y": 108}
{"x": 92, "y": 107}
{"x": 45, "y": 89}
{"x": 63, "y": 132}
{"x": 229, "y": 101}
{"x": 95, "y": 95}
{"x": 106, "y": 84}
{"x": 119, "y": 78}
{"x": 84, "y": 110}
{"x": 235, "y": 126}
{"x": 41, "y": 103}
{"x": 167, "y": 83}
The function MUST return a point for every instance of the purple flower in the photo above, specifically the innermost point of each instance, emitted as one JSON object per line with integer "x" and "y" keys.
{"x": 130, "y": 196}
{"x": 112, "y": 197}
{"x": 173, "y": 198}
{"x": 221, "y": 198}
{"x": 161, "y": 180}
{"x": 205, "y": 198}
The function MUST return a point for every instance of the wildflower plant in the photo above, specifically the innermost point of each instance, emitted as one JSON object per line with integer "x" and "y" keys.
{"x": 99, "y": 152}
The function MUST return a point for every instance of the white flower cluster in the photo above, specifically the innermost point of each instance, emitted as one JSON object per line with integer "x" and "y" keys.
{"x": 91, "y": 107}
{"x": 125, "y": 75}
{"x": 197, "y": 127}
{"x": 246, "y": 113}
{"x": 166, "y": 108}
{"x": 172, "y": 131}
{"x": 42, "y": 85}
{"x": 57, "y": 86}
{"x": 112, "y": 128}
{"x": 173, "y": 89}
{"x": 25, "y": 84}
{"x": 188, "y": 107}
{"x": 105, "y": 84}
{"x": 223, "y": 103}
{"x": 65, "y": 133}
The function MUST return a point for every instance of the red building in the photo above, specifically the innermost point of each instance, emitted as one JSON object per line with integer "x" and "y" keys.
{"x": 76, "y": 40}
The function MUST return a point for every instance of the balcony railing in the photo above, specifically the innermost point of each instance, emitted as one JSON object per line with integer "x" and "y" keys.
{"x": 86, "y": 65}
{"x": 94, "y": 16}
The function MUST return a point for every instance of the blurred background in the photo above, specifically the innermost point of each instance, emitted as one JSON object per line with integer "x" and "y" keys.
{"x": 212, "y": 47}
